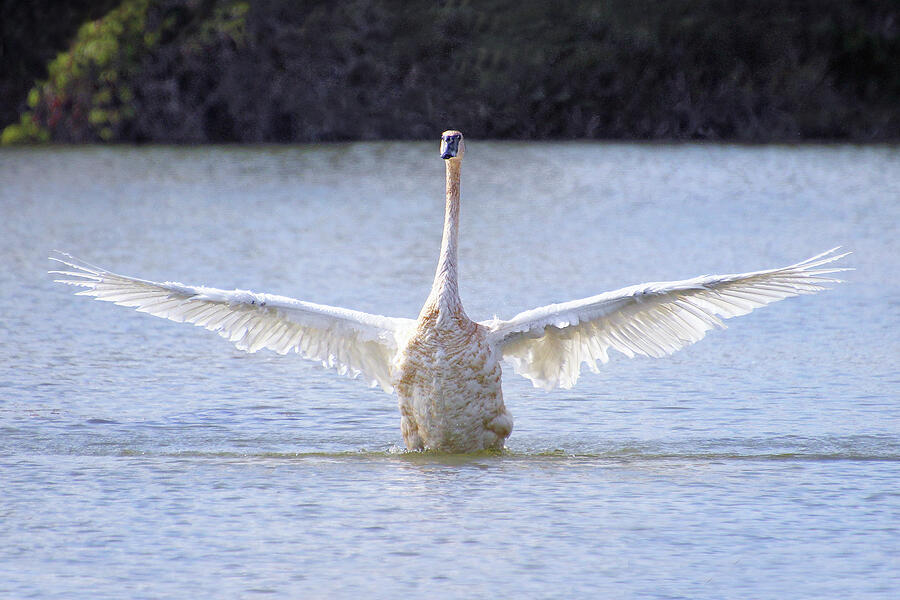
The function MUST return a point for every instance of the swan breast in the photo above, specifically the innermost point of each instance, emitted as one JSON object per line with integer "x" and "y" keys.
{"x": 448, "y": 380}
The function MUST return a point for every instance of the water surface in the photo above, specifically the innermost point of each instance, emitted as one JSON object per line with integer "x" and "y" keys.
{"x": 141, "y": 458}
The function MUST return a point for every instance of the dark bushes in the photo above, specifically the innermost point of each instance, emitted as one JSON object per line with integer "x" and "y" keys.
{"x": 281, "y": 70}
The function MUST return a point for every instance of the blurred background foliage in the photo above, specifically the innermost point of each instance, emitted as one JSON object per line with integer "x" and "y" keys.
{"x": 195, "y": 71}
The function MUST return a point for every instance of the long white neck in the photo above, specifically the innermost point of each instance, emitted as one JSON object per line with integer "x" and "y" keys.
{"x": 445, "y": 291}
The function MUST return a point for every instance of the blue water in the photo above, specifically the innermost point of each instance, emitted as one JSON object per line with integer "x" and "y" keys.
{"x": 146, "y": 459}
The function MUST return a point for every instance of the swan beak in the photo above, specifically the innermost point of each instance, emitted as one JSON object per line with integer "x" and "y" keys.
{"x": 449, "y": 147}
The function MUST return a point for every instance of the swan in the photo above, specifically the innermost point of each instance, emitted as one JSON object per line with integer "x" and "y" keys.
{"x": 444, "y": 366}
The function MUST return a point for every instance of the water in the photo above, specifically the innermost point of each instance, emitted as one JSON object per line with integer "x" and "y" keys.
{"x": 145, "y": 459}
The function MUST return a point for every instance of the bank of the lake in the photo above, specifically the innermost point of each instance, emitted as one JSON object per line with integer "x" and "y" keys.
{"x": 285, "y": 71}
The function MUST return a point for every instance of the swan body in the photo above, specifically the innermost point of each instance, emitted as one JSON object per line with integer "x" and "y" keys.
{"x": 448, "y": 382}
{"x": 446, "y": 368}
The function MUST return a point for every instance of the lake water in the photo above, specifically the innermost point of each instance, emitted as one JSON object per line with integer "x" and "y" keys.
{"x": 141, "y": 458}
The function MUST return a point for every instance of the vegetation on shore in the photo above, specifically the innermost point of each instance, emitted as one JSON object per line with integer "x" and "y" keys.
{"x": 194, "y": 71}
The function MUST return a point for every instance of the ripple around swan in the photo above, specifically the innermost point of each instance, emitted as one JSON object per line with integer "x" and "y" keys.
{"x": 854, "y": 449}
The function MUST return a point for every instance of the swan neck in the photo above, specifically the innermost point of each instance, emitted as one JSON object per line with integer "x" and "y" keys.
{"x": 445, "y": 291}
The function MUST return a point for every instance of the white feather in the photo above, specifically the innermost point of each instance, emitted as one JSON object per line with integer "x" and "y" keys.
{"x": 350, "y": 341}
{"x": 549, "y": 344}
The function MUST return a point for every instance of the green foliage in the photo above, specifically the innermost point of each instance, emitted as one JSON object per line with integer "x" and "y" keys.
{"x": 24, "y": 132}
{"x": 227, "y": 19}
{"x": 82, "y": 98}
{"x": 32, "y": 33}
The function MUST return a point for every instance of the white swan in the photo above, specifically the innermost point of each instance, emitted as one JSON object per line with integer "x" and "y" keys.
{"x": 444, "y": 366}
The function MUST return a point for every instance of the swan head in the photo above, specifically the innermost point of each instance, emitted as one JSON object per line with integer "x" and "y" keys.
{"x": 452, "y": 145}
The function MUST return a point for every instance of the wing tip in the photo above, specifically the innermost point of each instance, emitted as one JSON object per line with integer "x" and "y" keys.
{"x": 76, "y": 263}
{"x": 823, "y": 258}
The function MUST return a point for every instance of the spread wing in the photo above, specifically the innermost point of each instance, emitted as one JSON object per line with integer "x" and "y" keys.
{"x": 548, "y": 344}
{"x": 353, "y": 342}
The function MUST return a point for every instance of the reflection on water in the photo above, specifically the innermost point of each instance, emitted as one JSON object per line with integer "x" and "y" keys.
{"x": 149, "y": 459}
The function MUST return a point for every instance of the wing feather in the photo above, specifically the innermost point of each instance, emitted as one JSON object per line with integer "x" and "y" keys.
{"x": 350, "y": 341}
{"x": 549, "y": 344}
